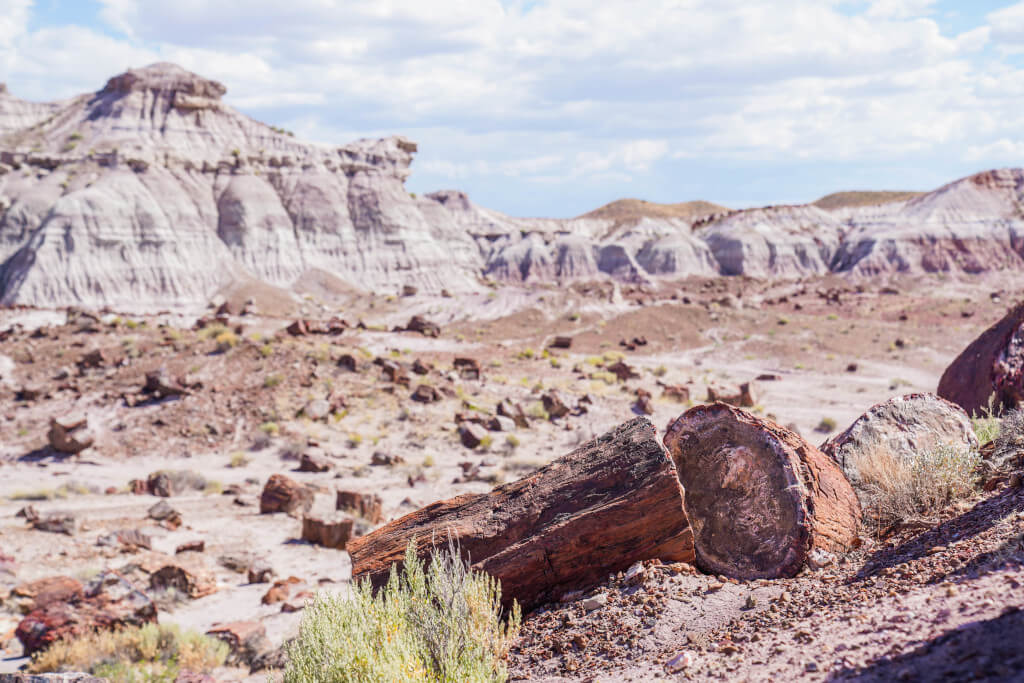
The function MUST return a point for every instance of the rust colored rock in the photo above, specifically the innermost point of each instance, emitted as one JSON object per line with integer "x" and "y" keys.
{"x": 57, "y": 523}
{"x": 297, "y": 328}
{"x": 395, "y": 372}
{"x": 161, "y": 387}
{"x": 760, "y": 498}
{"x": 554, "y": 405}
{"x": 277, "y": 593}
{"x": 426, "y": 394}
{"x": 347, "y": 362}
{"x": 92, "y": 359}
{"x": 42, "y": 592}
{"x": 420, "y": 324}
{"x": 561, "y": 343}
{"x": 623, "y": 371}
{"x": 311, "y": 462}
{"x": 369, "y": 506}
{"x": 109, "y": 602}
{"x": 643, "y": 402}
{"x": 676, "y": 392}
{"x": 186, "y": 575}
{"x": 468, "y": 368}
{"x": 260, "y": 572}
{"x": 614, "y": 501}
{"x": 328, "y": 533}
{"x": 514, "y": 411}
{"x": 283, "y": 494}
{"x": 420, "y": 368}
{"x": 70, "y": 434}
{"x": 901, "y": 429}
{"x": 246, "y": 640}
{"x": 191, "y": 547}
{"x": 167, "y": 483}
{"x": 743, "y": 397}
{"x": 991, "y": 365}
{"x": 471, "y": 434}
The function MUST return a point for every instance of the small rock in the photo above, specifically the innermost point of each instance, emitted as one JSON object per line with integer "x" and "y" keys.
{"x": 283, "y": 494}
{"x": 70, "y": 434}
{"x": 681, "y": 661}
{"x": 595, "y": 601}
{"x": 312, "y": 462}
{"x": 327, "y": 533}
{"x": 260, "y": 572}
{"x": 317, "y": 409}
{"x": 471, "y": 434}
{"x": 425, "y": 393}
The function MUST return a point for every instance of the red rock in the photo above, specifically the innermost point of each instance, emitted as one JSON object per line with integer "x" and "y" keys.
{"x": 297, "y": 328}
{"x": 191, "y": 547}
{"x": 425, "y": 393}
{"x": 311, "y": 462}
{"x": 369, "y": 506}
{"x": 282, "y": 494}
{"x": 110, "y": 601}
{"x": 186, "y": 575}
{"x": 991, "y": 365}
{"x": 70, "y": 434}
{"x": 246, "y": 640}
{"x": 623, "y": 371}
{"x": 468, "y": 368}
{"x": 41, "y": 592}
{"x": 423, "y": 326}
{"x": 471, "y": 434}
{"x": 327, "y": 533}
{"x": 554, "y": 405}
{"x": 676, "y": 392}
{"x": 743, "y": 397}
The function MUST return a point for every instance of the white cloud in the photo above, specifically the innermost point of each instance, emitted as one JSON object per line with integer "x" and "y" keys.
{"x": 571, "y": 89}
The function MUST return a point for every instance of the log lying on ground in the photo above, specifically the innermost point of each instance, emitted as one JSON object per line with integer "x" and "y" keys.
{"x": 992, "y": 366}
{"x": 761, "y": 499}
{"x": 611, "y": 502}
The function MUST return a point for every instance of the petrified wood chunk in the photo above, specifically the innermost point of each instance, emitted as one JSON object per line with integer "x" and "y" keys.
{"x": 597, "y": 510}
{"x": 760, "y": 498}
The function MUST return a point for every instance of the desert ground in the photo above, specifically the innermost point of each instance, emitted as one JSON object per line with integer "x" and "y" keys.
{"x": 253, "y": 398}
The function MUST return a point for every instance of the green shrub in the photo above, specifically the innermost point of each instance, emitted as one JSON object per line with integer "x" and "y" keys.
{"x": 440, "y": 622}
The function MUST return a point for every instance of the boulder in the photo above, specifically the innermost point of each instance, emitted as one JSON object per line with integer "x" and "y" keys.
{"x": 167, "y": 483}
{"x": 500, "y": 423}
{"x": 369, "y": 506}
{"x": 328, "y": 533}
{"x": 108, "y": 602}
{"x": 187, "y": 575}
{"x": 283, "y": 494}
{"x": 610, "y": 503}
{"x": 992, "y": 366}
{"x": 900, "y": 429}
{"x": 246, "y": 640}
{"x": 759, "y": 497}
{"x": 70, "y": 434}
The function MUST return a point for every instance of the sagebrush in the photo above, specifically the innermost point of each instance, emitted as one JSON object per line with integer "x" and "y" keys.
{"x": 895, "y": 488}
{"x": 435, "y": 621}
{"x": 140, "y": 654}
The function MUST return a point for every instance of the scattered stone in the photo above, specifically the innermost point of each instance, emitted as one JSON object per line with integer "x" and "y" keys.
{"x": 191, "y": 547}
{"x": 164, "y": 513}
{"x": 676, "y": 392}
{"x": 283, "y": 494}
{"x": 623, "y": 371}
{"x": 743, "y": 397}
{"x": 246, "y": 640}
{"x": 386, "y": 459}
{"x": 595, "y": 602}
{"x": 57, "y": 523}
{"x": 110, "y": 601}
{"x": 297, "y": 328}
{"x": 369, "y": 506}
{"x": 260, "y": 572}
{"x": 471, "y": 434}
{"x": 312, "y": 462}
{"x": 160, "y": 387}
{"x": 186, "y": 575}
{"x": 92, "y": 360}
{"x": 167, "y": 483}
{"x": 553, "y": 404}
{"x": 70, "y": 434}
{"x": 643, "y": 404}
{"x": 561, "y": 343}
{"x": 317, "y": 409}
{"x": 41, "y": 592}
{"x": 420, "y": 324}
{"x": 347, "y": 362}
{"x": 420, "y": 368}
{"x": 500, "y": 423}
{"x": 425, "y": 393}
{"x": 327, "y": 533}
{"x": 852, "y": 367}
{"x": 681, "y": 661}
{"x": 468, "y": 368}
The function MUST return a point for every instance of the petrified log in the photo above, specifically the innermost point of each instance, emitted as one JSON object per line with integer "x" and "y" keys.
{"x": 760, "y": 498}
{"x": 993, "y": 364}
{"x": 597, "y": 510}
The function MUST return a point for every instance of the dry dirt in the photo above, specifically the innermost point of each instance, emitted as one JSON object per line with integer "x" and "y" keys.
{"x": 923, "y": 603}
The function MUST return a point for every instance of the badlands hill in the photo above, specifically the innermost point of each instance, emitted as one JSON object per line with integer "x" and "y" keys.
{"x": 153, "y": 192}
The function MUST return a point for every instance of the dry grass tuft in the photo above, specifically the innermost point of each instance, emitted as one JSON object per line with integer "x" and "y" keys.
{"x": 894, "y": 489}
{"x": 146, "y": 653}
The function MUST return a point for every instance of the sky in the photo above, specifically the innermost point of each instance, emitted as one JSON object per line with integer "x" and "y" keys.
{"x": 555, "y": 107}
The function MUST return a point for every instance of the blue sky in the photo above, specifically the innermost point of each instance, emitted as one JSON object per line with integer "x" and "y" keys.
{"x": 554, "y": 107}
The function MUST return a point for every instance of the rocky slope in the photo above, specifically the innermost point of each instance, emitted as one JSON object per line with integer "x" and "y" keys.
{"x": 154, "y": 192}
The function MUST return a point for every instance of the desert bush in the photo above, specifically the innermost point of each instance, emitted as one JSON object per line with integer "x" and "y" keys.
{"x": 826, "y": 425}
{"x": 987, "y": 423}
{"x": 212, "y": 331}
{"x": 272, "y": 380}
{"x": 226, "y": 340}
{"x": 435, "y": 621}
{"x": 146, "y": 653}
{"x": 894, "y": 488}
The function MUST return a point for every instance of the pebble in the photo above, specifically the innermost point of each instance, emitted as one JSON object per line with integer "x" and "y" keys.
{"x": 681, "y": 661}
{"x": 596, "y": 601}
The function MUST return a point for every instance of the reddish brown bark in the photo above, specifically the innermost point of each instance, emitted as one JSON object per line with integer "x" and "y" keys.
{"x": 597, "y": 510}
{"x": 760, "y": 498}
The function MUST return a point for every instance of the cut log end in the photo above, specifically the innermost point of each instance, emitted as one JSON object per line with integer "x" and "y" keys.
{"x": 759, "y": 497}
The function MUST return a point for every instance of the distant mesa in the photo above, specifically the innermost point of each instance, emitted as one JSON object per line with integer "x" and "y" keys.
{"x": 155, "y": 193}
